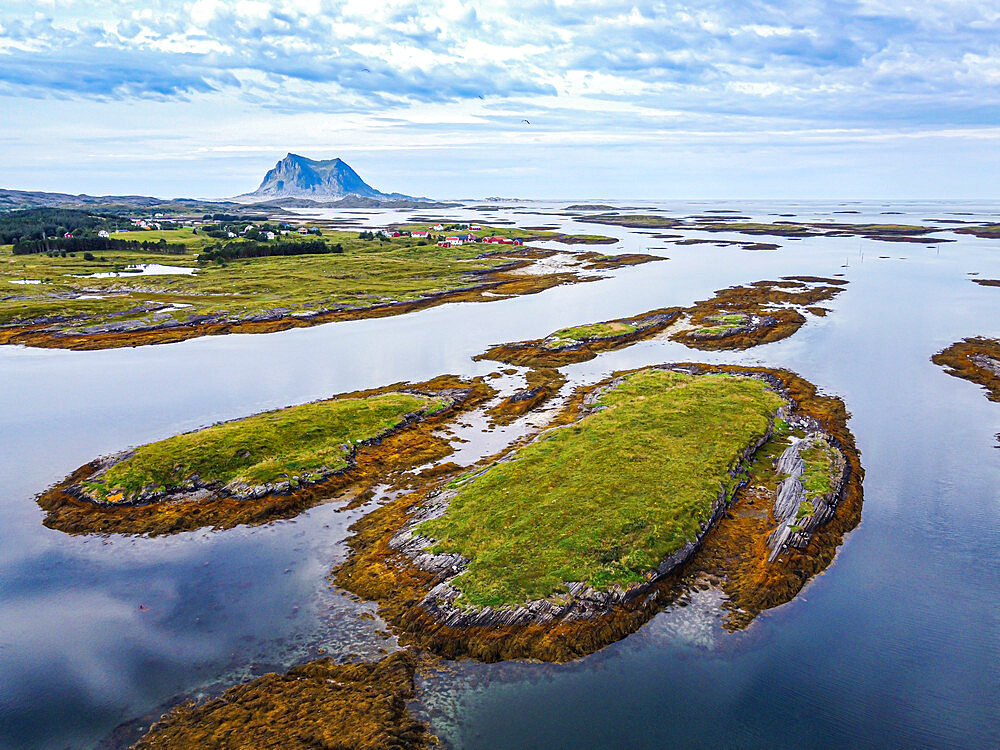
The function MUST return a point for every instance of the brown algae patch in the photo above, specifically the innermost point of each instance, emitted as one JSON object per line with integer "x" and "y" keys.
{"x": 229, "y": 474}
{"x": 976, "y": 359}
{"x": 741, "y": 317}
{"x": 416, "y": 579}
{"x": 739, "y": 553}
{"x": 542, "y": 386}
{"x": 316, "y": 705}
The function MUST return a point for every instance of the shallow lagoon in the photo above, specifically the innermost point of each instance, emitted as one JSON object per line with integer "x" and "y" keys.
{"x": 896, "y": 644}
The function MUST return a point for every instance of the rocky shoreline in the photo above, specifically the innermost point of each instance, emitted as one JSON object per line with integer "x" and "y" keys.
{"x": 71, "y": 508}
{"x": 390, "y": 562}
{"x": 157, "y": 327}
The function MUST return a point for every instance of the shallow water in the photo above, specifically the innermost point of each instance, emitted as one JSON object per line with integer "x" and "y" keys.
{"x": 143, "y": 269}
{"x": 895, "y": 645}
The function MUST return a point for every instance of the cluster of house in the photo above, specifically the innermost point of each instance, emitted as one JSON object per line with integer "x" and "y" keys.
{"x": 454, "y": 239}
{"x": 146, "y": 223}
{"x": 463, "y": 239}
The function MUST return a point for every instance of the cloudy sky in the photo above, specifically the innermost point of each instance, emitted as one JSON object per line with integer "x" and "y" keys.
{"x": 590, "y": 98}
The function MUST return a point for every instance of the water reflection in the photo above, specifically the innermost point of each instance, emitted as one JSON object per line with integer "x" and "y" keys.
{"x": 896, "y": 644}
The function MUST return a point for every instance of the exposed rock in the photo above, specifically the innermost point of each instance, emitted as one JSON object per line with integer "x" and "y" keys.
{"x": 297, "y": 176}
{"x": 797, "y": 513}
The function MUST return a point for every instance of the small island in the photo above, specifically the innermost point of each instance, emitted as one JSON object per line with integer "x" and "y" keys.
{"x": 575, "y": 538}
{"x": 739, "y": 317}
{"x": 793, "y": 230}
{"x": 976, "y": 359}
{"x": 267, "y": 466}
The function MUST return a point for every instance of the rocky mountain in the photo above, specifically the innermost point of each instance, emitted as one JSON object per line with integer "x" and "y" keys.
{"x": 328, "y": 180}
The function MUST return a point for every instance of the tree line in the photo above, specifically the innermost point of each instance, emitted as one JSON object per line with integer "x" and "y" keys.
{"x": 249, "y": 249}
{"x": 92, "y": 244}
{"x": 38, "y": 223}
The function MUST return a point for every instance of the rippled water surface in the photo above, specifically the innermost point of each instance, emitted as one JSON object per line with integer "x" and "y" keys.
{"x": 895, "y": 645}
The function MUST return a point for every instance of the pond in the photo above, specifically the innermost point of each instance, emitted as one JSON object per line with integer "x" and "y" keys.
{"x": 142, "y": 269}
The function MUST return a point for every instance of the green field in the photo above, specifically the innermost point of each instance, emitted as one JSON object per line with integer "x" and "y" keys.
{"x": 605, "y": 499}
{"x": 366, "y": 273}
{"x": 299, "y": 441}
{"x": 569, "y": 336}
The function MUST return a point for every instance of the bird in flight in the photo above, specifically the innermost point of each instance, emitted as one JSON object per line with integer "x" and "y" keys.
{"x": 525, "y": 121}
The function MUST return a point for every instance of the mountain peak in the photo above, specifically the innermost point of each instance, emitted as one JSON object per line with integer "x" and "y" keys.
{"x": 297, "y": 176}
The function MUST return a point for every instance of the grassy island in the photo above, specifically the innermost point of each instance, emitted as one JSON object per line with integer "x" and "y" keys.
{"x": 606, "y": 499}
{"x": 298, "y": 445}
{"x": 648, "y": 486}
{"x": 266, "y": 466}
{"x": 738, "y": 317}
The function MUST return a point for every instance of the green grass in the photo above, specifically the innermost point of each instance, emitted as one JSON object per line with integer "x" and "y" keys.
{"x": 818, "y": 460}
{"x": 367, "y": 273}
{"x": 604, "y": 500}
{"x": 737, "y": 318}
{"x": 268, "y": 447}
{"x": 591, "y": 331}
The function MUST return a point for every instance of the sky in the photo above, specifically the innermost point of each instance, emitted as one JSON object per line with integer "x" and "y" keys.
{"x": 536, "y": 99}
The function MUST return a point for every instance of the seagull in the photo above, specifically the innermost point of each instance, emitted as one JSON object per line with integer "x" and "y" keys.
{"x": 525, "y": 121}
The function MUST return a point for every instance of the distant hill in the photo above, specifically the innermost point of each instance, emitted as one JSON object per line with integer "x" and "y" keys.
{"x": 16, "y": 199}
{"x": 322, "y": 181}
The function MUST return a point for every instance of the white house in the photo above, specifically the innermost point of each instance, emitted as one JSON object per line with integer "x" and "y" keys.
{"x": 103, "y": 233}
{"x": 437, "y": 227}
{"x": 420, "y": 235}
{"x": 270, "y": 235}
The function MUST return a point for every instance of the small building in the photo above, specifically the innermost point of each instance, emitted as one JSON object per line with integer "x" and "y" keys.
{"x": 475, "y": 228}
{"x": 302, "y": 230}
{"x": 437, "y": 227}
{"x": 68, "y": 236}
{"x": 231, "y": 235}
{"x": 103, "y": 233}
{"x": 444, "y": 243}
{"x": 420, "y": 235}
{"x": 455, "y": 240}
{"x": 270, "y": 235}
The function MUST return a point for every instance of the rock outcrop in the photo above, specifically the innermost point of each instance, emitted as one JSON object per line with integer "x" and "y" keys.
{"x": 332, "y": 179}
{"x": 798, "y": 511}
